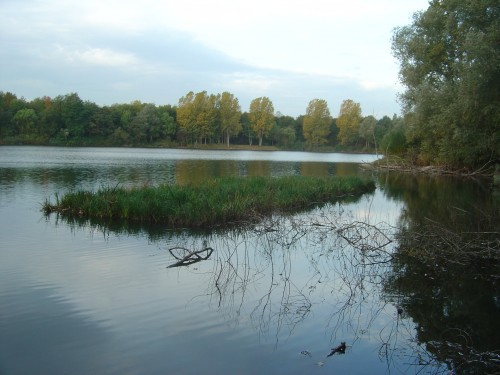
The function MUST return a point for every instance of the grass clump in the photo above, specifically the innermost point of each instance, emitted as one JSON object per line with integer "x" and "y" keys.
{"x": 214, "y": 202}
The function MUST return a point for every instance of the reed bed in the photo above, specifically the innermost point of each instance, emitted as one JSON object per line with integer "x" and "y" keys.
{"x": 215, "y": 202}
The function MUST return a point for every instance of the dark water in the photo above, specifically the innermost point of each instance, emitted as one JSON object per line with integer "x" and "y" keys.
{"x": 92, "y": 298}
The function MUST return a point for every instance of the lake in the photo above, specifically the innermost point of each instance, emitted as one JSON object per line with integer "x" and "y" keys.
{"x": 80, "y": 297}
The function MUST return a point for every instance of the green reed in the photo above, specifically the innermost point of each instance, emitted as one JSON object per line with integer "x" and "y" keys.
{"x": 220, "y": 201}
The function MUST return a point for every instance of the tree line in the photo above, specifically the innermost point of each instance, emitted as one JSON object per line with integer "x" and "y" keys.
{"x": 198, "y": 119}
{"x": 449, "y": 63}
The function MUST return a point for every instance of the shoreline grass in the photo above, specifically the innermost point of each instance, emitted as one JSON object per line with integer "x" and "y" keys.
{"x": 215, "y": 202}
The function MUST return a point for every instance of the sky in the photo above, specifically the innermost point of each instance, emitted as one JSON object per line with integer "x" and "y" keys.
{"x": 156, "y": 51}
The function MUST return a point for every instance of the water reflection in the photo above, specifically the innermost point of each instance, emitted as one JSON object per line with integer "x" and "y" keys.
{"x": 331, "y": 263}
{"x": 100, "y": 293}
{"x": 446, "y": 267}
{"x": 320, "y": 272}
{"x": 65, "y": 177}
{"x": 46, "y": 335}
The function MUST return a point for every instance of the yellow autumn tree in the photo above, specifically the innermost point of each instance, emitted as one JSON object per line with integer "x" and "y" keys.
{"x": 261, "y": 117}
{"x": 348, "y": 122}
{"x": 229, "y": 115}
{"x": 196, "y": 115}
{"x": 317, "y": 121}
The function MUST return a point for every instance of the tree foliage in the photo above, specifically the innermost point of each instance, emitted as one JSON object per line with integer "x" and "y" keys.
{"x": 450, "y": 64}
{"x": 367, "y": 130}
{"x": 261, "y": 117}
{"x": 394, "y": 140}
{"x": 348, "y": 122}
{"x": 316, "y": 125}
{"x": 196, "y": 116}
{"x": 229, "y": 115}
{"x": 26, "y": 120}
{"x": 67, "y": 120}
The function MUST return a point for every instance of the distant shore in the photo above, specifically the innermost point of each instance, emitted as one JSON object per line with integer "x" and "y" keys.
{"x": 213, "y": 146}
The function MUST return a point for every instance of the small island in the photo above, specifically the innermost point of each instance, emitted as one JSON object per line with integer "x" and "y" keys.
{"x": 213, "y": 203}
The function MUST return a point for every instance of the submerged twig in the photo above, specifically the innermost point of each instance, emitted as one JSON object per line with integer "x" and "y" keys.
{"x": 191, "y": 256}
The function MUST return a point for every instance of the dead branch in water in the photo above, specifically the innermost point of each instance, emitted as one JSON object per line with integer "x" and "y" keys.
{"x": 190, "y": 257}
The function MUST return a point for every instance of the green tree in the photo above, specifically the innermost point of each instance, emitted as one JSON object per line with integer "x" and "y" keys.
{"x": 167, "y": 115}
{"x": 74, "y": 116}
{"x": 135, "y": 130}
{"x": 148, "y": 125}
{"x": 286, "y": 136}
{"x": 26, "y": 120}
{"x": 229, "y": 115}
{"x": 450, "y": 64}
{"x": 9, "y": 105}
{"x": 348, "y": 122}
{"x": 102, "y": 122}
{"x": 367, "y": 131}
{"x": 247, "y": 132}
{"x": 317, "y": 122}
{"x": 381, "y": 128}
{"x": 261, "y": 116}
{"x": 394, "y": 140}
{"x": 299, "y": 126}
{"x": 50, "y": 117}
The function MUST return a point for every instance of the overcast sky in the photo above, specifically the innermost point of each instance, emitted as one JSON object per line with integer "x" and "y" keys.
{"x": 156, "y": 51}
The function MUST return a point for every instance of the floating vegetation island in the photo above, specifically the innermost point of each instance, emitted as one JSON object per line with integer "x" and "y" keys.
{"x": 215, "y": 202}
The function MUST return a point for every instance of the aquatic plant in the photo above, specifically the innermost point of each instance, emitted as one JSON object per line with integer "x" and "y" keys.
{"x": 214, "y": 202}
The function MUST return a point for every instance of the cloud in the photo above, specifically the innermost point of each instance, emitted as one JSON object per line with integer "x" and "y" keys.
{"x": 121, "y": 50}
{"x": 251, "y": 82}
{"x": 97, "y": 56}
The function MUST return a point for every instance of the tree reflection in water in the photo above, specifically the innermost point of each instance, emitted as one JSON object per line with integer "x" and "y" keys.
{"x": 429, "y": 305}
{"x": 447, "y": 278}
{"x": 446, "y": 269}
{"x": 259, "y": 273}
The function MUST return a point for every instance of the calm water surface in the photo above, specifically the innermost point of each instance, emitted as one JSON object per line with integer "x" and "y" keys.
{"x": 87, "y": 298}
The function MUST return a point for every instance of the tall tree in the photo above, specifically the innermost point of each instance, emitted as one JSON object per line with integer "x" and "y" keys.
{"x": 102, "y": 122}
{"x": 450, "y": 64}
{"x": 131, "y": 130}
{"x": 229, "y": 115}
{"x": 287, "y": 136}
{"x": 74, "y": 116}
{"x": 394, "y": 140}
{"x": 247, "y": 128}
{"x": 26, "y": 120}
{"x": 261, "y": 116}
{"x": 348, "y": 122}
{"x": 317, "y": 122}
{"x": 382, "y": 127}
{"x": 196, "y": 116}
{"x": 9, "y": 105}
{"x": 186, "y": 117}
{"x": 367, "y": 131}
{"x": 148, "y": 125}
{"x": 206, "y": 114}
{"x": 167, "y": 115}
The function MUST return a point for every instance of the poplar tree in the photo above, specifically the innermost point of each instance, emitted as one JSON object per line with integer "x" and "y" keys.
{"x": 348, "y": 122}
{"x": 229, "y": 115}
{"x": 196, "y": 116}
{"x": 317, "y": 121}
{"x": 261, "y": 116}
